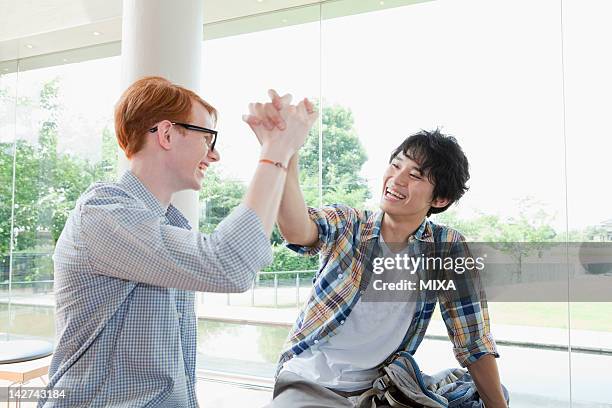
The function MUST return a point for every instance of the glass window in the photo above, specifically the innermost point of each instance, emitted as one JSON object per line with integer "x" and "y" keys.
{"x": 524, "y": 87}
{"x": 8, "y": 92}
{"x": 63, "y": 143}
{"x": 588, "y": 86}
{"x": 284, "y": 57}
{"x": 498, "y": 90}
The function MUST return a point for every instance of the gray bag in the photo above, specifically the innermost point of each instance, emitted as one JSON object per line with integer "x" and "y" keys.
{"x": 403, "y": 385}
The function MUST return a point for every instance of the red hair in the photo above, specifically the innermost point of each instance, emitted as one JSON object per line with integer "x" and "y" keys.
{"x": 147, "y": 102}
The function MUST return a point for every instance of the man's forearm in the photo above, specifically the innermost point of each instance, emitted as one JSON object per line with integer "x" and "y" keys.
{"x": 293, "y": 220}
{"x": 486, "y": 376}
{"x": 265, "y": 190}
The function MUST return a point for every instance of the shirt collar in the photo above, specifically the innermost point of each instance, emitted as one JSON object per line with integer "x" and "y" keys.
{"x": 135, "y": 186}
{"x": 373, "y": 225}
{"x": 423, "y": 233}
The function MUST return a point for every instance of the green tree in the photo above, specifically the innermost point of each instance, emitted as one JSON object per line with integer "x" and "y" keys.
{"x": 27, "y": 170}
{"x": 343, "y": 156}
{"x": 46, "y": 179}
{"x": 219, "y": 196}
{"x": 106, "y": 169}
{"x": 286, "y": 260}
{"x": 532, "y": 225}
{"x": 6, "y": 196}
{"x": 47, "y": 184}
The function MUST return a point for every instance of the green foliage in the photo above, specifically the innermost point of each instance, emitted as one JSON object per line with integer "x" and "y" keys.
{"x": 27, "y": 169}
{"x": 531, "y": 225}
{"x": 6, "y": 189}
{"x": 48, "y": 183}
{"x": 46, "y": 186}
{"x": 33, "y": 265}
{"x": 342, "y": 158}
{"x": 287, "y": 260}
{"x": 508, "y": 235}
{"x": 219, "y": 197}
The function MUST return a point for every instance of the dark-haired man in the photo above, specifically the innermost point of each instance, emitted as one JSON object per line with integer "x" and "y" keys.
{"x": 339, "y": 340}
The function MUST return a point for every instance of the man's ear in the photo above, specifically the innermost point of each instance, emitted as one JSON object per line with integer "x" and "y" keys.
{"x": 163, "y": 135}
{"x": 440, "y": 202}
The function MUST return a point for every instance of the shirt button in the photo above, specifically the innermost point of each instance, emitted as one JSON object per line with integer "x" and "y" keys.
{"x": 316, "y": 341}
{"x": 340, "y": 276}
{"x": 179, "y": 315}
{"x": 342, "y": 322}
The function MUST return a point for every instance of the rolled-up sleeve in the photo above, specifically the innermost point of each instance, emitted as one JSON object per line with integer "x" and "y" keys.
{"x": 470, "y": 353}
{"x": 466, "y": 315}
{"x": 124, "y": 239}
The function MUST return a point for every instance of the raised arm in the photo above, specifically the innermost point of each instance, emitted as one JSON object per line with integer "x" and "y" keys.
{"x": 278, "y": 145}
{"x": 123, "y": 239}
{"x": 293, "y": 220}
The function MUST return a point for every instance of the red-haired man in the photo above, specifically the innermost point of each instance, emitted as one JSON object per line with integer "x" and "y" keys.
{"x": 127, "y": 261}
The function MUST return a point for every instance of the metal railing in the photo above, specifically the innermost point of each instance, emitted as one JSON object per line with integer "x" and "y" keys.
{"x": 278, "y": 279}
{"x": 277, "y": 283}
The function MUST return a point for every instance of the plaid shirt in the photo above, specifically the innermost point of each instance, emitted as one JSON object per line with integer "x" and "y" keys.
{"x": 125, "y": 269}
{"x": 347, "y": 240}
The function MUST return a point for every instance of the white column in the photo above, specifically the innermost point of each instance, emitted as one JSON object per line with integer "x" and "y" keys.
{"x": 164, "y": 37}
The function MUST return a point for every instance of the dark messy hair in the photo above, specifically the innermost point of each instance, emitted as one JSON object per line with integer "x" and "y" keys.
{"x": 443, "y": 162}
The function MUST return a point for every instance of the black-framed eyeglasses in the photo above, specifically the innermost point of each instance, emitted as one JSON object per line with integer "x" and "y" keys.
{"x": 209, "y": 141}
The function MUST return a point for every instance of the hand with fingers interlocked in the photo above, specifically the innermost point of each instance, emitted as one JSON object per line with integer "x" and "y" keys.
{"x": 280, "y": 127}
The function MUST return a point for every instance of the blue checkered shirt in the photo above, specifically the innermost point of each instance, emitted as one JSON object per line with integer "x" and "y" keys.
{"x": 125, "y": 272}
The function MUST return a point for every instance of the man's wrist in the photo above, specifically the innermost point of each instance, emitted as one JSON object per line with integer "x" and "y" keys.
{"x": 276, "y": 155}
{"x": 293, "y": 164}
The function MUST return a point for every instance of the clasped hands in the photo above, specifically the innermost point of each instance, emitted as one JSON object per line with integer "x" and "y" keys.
{"x": 280, "y": 127}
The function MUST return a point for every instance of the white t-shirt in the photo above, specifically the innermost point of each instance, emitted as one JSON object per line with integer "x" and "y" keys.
{"x": 372, "y": 332}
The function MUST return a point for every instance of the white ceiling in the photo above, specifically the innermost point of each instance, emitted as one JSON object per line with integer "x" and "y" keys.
{"x": 31, "y": 28}
{"x": 54, "y": 25}
{"x": 23, "y": 18}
